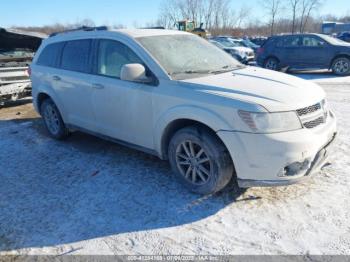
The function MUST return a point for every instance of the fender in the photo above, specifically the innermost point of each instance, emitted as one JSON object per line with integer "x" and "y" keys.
{"x": 199, "y": 114}
{"x": 44, "y": 89}
{"x": 337, "y": 55}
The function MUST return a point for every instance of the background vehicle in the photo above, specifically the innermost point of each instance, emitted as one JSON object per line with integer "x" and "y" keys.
{"x": 344, "y": 36}
{"x": 243, "y": 54}
{"x": 306, "y": 51}
{"x": 233, "y": 51}
{"x": 16, "y": 53}
{"x": 246, "y": 43}
{"x": 190, "y": 26}
{"x": 259, "y": 41}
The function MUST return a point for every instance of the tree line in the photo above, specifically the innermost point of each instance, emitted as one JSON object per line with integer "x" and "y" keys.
{"x": 218, "y": 16}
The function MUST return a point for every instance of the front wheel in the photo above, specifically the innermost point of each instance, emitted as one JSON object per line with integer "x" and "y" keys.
{"x": 341, "y": 66}
{"x": 200, "y": 160}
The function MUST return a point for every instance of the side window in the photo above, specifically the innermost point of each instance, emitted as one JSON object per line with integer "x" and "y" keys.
{"x": 112, "y": 55}
{"x": 290, "y": 41}
{"x": 311, "y": 41}
{"x": 50, "y": 55}
{"x": 75, "y": 56}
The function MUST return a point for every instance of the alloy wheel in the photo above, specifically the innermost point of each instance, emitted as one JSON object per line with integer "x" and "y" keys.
{"x": 271, "y": 64}
{"x": 341, "y": 66}
{"x": 51, "y": 119}
{"x": 193, "y": 163}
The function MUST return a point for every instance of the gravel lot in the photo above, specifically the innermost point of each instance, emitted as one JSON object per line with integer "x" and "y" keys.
{"x": 89, "y": 196}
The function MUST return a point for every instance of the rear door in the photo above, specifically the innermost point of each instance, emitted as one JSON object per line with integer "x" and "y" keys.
{"x": 288, "y": 51}
{"x": 315, "y": 52}
{"x": 73, "y": 83}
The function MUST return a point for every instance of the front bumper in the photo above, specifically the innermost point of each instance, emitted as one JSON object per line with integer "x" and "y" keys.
{"x": 260, "y": 159}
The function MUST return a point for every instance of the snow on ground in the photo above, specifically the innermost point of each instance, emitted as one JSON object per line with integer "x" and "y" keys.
{"x": 89, "y": 196}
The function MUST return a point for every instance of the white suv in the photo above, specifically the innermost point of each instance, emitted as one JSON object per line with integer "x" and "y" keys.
{"x": 179, "y": 97}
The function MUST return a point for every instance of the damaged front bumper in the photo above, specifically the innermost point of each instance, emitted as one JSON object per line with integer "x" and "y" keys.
{"x": 317, "y": 164}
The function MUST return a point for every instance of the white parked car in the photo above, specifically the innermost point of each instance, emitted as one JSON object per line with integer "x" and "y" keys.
{"x": 179, "y": 97}
{"x": 238, "y": 50}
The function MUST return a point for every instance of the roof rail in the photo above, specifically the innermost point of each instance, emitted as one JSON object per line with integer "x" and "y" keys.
{"x": 83, "y": 28}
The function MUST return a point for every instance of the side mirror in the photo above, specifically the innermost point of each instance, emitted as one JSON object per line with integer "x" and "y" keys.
{"x": 134, "y": 73}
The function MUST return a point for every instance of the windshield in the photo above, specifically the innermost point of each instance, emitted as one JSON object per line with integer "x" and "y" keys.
{"x": 333, "y": 41}
{"x": 188, "y": 56}
{"x": 250, "y": 44}
{"x": 227, "y": 43}
{"x": 239, "y": 43}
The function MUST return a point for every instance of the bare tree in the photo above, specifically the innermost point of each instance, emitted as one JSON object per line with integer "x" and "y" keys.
{"x": 307, "y": 7}
{"x": 294, "y": 4}
{"x": 273, "y": 9}
{"x": 238, "y": 18}
{"x": 213, "y": 13}
{"x": 170, "y": 13}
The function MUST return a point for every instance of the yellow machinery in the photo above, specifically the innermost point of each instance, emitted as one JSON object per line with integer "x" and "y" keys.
{"x": 190, "y": 26}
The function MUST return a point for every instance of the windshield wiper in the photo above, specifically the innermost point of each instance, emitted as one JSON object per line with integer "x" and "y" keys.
{"x": 191, "y": 72}
{"x": 224, "y": 69}
{"x": 227, "y": 68}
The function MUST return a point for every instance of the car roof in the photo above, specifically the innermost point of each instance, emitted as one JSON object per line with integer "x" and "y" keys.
{"x": 307, "y": 34}
{"x": 132, "y": 33}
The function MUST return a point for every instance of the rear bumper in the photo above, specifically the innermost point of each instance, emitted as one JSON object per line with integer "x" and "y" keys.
{"x": 271, "y": 159}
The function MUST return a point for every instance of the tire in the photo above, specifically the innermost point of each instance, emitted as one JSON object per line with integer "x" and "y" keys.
{"x": 271, "y": 63}
{"x": 53, "y": 120}
{"x": 207, "y": 173}
{"x": 341, "y": 66}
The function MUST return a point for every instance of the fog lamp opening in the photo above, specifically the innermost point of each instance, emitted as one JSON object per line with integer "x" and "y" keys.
{"x": 296, "y": 168}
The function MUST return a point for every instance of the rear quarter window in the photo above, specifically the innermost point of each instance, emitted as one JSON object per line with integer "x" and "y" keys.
{"x": 75, "y": 56}
{"x": 50, "y": 55}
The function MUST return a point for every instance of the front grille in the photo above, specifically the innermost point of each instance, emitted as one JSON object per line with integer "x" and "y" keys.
{"x": 309, "y": 109}
{"x": 312, "y": 116}
{"x": 314, "y": 123}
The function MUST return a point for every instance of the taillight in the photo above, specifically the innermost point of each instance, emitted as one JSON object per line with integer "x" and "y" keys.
{"x": 29, "y": 71}
{"x": 260, "y": 51}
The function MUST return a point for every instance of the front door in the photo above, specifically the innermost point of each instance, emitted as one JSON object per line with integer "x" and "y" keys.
{"x": 123, "y": 109}
{"x": 314, "y": 52}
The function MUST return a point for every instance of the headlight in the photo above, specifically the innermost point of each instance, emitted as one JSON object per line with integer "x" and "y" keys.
{"x": 271, "y": 122}
{"x": 325, "y": 108}
{"x": 239, "y": 53}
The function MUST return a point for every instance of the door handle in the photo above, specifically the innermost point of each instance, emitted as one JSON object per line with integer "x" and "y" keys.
{"x": 56, "y": 78}
{"x": 98, "y": 86}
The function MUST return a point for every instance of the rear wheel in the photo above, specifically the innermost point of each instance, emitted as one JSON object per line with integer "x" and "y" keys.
{"x": 341, "y": 66}
{"x": 272, "y": 64}
{"x": 53, "y": 120}
{"x": 199, "y": 160}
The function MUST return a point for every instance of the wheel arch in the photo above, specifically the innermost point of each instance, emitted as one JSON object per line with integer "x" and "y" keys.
{"x": 41, "y": 95}
{"x": 336, "y": 57}
{"x": 180, "y": 118}
{"x": 272, "y": 56}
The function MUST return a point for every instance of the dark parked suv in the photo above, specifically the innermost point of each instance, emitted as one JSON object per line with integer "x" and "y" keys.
{"x": 345, "y": 36}
{"x": 305, "y": 51}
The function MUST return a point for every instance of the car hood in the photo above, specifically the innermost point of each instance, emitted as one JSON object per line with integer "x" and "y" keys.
{"x": 243, "y": 49}
{"x": 273, "y": 90}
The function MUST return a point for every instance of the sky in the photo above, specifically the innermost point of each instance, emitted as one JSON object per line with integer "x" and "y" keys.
{"x": 111, "y": 12}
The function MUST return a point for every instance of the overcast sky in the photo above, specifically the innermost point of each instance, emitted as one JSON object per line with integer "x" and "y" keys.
{"x": 109, "y": 12}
